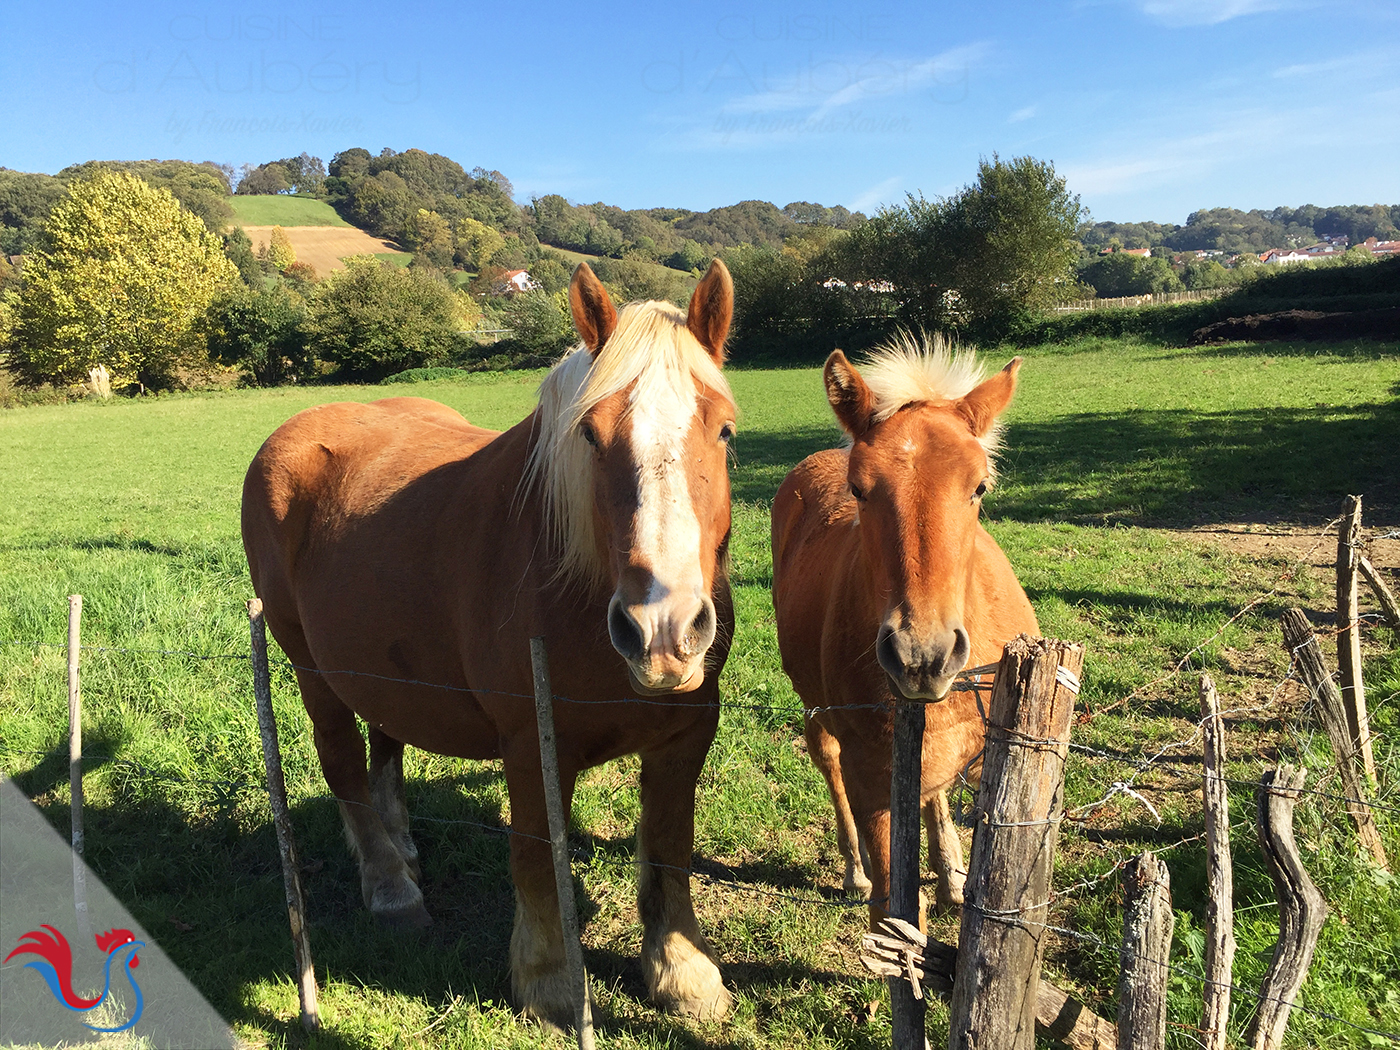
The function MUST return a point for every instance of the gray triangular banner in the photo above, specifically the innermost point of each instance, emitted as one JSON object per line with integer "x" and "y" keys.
{"x": 36, "y": 889}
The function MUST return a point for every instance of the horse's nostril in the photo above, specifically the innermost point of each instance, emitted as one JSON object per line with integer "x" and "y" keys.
{"x": 700, "y": 631}
{"x": 625, "y": 634}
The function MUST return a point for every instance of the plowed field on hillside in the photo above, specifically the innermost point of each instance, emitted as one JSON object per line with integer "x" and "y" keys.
{"x": 324, "y": 246}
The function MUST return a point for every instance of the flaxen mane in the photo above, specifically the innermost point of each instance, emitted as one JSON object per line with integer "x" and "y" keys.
{"x": 909, "y": 369}
{"x": 651, "y": 347}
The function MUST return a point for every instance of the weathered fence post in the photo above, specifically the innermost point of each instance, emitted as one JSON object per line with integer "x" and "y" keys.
{"x": 1383, "y": 593}
{"x": 1220, "y": 900}
{"x": 559, "y": 843}
{"x": 75, "y": 763}
{"x": 1147, "y": 942}
{"x": 282, "y": 819}
{"x": 906, "y": 788}
{"x": 1302, "y": 909}
{"x": 1019, "y": 807}
{"x": 1349, "y": 635}
{"x": 1299, "y": 640}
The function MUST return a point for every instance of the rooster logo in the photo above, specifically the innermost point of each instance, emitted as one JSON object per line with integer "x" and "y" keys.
{"x": 55, "y": 966}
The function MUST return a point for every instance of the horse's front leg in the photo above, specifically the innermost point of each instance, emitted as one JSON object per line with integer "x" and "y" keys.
{"x": 945, "y": 853}
{"x": 680, "y": 967}
{"x": 539, "y": 976}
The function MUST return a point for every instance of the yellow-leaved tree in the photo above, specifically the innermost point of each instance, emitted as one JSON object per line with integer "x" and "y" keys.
{"x": 123, "y": 278}
{"x": 280, "y": 250}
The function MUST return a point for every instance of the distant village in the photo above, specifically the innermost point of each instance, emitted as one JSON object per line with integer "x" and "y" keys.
{"x": 1326, "y": 248}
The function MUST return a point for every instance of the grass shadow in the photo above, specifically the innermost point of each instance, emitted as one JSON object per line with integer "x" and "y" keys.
{"x": 763, "y": 459}
{"x": 1177, "y": 467}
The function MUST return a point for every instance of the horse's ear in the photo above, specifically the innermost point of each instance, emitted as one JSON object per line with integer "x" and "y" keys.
{"x": 594, "y": 314}
{"x": 711, "y": 310}
{"x": 849, "y": 395}
{"x": 989, "y": 399}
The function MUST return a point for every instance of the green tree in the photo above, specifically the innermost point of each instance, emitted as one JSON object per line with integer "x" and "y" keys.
{"x": 374, "y": 320}
{"x": 123, "y": 278}
{"x": 428, "y": 234}
{"x": 239, "y": 250}
{"x": 259, "y": 330}
{"x": 1012, "y": 237}
{"x": 541, "y": 322}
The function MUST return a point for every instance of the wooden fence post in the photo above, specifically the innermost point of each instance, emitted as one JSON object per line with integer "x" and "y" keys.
{"x": 1220, "y": 901}
{"x": 75, "y": 764}
{"x": 282, "y": 819}
{"x": 1301, "y": 643}
{"x": 1302, "y": 909}
{"x": 1383, "y": 593}
{"x": 1019, "y": 807}
{"x": 559, "y": 843}
{"x": 1147, "y": 942}
{"x": 906, "y": 788}
{"x": 1349, "y": 635}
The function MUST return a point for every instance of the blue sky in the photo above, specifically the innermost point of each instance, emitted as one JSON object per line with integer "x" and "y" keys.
{"x": 1150, "y": 108}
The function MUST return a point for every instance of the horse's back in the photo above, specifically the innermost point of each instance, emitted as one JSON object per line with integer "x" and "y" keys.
{"x": 338, "y": 463}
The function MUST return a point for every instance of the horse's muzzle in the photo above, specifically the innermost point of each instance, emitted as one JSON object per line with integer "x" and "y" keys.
{"x": 922, "y": 669}
{"x": 664, "y": 643}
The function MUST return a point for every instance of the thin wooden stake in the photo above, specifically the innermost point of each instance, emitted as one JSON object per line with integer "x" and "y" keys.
{"x": 282, "y": 820}
{"x": 559, "y": 844}
{"x": 1220, "y": 884}
{"x": 75, "y": 764}
{"x": 1349, "y": 636}
{"x": 906, "y": 789}
{"x": 1383, "y": 594}
{"x": 1299, "y": 640}
{"x": 1019, "y": 807}
{"x": 1302, "y": 909}
{"x": 1147, "y": 942}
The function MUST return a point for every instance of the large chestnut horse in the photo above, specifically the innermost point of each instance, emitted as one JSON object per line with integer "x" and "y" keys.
{"x": 396, "y": 541}
{"x": 884, "y": 580}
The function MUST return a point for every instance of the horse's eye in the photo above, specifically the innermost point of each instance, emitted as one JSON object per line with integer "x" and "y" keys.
{"x": 981, "y": 491}
{"x": 726, "y": 432}
{"x": 589, "y": 434}
{"x": 858, "y": 493}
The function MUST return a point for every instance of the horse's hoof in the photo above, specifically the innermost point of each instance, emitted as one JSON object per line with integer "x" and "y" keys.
{"x": 861, "y": 888}
{"x": 400, "y": 907}
{"x": 713, "y": 1008}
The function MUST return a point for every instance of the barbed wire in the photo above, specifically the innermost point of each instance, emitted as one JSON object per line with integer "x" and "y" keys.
{"x": 1142, "y": 763}
{"x": 123, "y": 649}
{"x": 1013, "y": 918}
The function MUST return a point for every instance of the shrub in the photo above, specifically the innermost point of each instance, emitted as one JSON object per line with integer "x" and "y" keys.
{"x": 374, "y": 320}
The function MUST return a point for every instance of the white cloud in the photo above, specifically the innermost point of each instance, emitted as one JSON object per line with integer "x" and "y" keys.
{"x": 881, "y": 193}
{"x": 864, "y": 79}
{"x": 1208, "y": 12}
{"x": 1024, "y": 113}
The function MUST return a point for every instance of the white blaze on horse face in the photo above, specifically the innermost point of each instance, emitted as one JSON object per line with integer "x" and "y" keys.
{"x": 666, "y": 541}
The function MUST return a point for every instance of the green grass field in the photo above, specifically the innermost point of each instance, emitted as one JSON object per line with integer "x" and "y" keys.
{"x": 1113, "y": 448}
{"x": 280, "y": 210}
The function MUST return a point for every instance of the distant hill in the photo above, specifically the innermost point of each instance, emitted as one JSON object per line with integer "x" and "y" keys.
{"x": 285, "y": 211}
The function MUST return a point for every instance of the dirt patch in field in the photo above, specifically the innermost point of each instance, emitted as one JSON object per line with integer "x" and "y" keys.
{"x": 324, "y": 247}
{"x": 1303, "y": 324}
{"x": 1272, "y": 542}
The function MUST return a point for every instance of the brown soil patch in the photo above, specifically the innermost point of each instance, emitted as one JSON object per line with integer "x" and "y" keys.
{"x": 324, "y": 247}
{"x": 1292, "y": 542}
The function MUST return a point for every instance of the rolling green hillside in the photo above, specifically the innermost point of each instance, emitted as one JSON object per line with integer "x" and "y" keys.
{"x": 277, "y": 210}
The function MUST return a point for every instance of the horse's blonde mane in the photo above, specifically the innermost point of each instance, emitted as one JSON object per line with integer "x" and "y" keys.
{"x": 909, "y": 369}
{"x": 649, "y": 347}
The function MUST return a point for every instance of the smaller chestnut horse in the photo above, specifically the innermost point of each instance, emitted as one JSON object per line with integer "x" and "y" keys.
{"x": 394, "y": 545}
{"x": 884, "y": 579}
